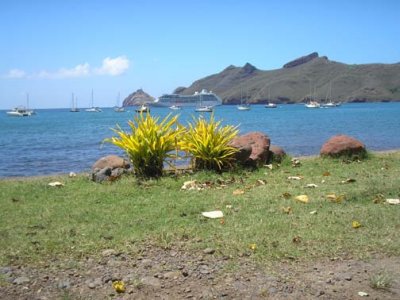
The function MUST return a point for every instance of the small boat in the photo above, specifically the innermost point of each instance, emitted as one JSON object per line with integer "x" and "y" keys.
{"x": 143, "y": 109}
{"x": 243, "y": 104}
{"x": 204, "y": 109}
{"x": 74, "y": 106}
{"x": 93, "y": 108}
{"x": 118, "y": 108}
{"x": 243, "y": 107}
{"x": 175, "y": 107}
{"x": 313, "y": 104}
{"x": 19, "y": 111}
{"x": 270, "y": 105}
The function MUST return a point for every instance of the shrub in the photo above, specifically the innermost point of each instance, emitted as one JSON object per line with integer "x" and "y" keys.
{"x": 149, "y": 143}
{"x": 208, "y": 143}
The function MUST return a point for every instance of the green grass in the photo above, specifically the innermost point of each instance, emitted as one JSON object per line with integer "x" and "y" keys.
{"x": 39, "y": 222}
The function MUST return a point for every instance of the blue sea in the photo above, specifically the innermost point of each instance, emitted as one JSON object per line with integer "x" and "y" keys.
{"x": 57, "y": 141}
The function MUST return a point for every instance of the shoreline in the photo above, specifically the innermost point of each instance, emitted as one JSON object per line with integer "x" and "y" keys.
{"x": 8, "y": 178}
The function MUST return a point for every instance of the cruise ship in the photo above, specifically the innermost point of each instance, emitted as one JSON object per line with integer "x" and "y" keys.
{"x": 203, "y": 98}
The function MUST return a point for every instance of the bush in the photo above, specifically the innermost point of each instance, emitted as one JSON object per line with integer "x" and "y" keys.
{"x": 149, "y": 143}
{"x": 208, "y": 143}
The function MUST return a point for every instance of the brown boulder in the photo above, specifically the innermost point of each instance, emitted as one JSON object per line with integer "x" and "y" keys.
{"x": 258, "y": 143}
{"x": 276, "y": 154}
{"x": 109, "y": 168}
{"x": 343, "y": 146}
{"x": 110, "y": 161}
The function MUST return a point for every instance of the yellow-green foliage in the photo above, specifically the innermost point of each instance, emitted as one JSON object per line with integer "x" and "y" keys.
{"x": 149, "y": 143}
{"x": 208, "y": 143}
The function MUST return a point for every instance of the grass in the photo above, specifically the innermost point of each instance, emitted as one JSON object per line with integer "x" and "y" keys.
{"x": 82, "y": 218}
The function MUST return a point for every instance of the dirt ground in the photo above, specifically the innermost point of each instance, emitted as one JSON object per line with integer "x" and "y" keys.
{"x": 156, "y": 273}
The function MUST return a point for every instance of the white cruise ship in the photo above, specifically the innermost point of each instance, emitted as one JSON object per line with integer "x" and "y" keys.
{"x": 203, "y": 98}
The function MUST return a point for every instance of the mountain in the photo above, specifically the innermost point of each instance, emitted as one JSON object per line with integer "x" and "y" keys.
{"x": 310, "y": 76}
{"x": 137, "y": 98}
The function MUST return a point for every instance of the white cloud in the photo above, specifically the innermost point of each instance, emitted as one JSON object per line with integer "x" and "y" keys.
{"x": 113, "y": 66}
{"x": 110, "y": 66}
{"x": 15, "y": 73}
{"x": 75, "y": 72}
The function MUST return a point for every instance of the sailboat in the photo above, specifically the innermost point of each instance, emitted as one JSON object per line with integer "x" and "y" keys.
{"x": 118, "y": 108}
{"x": 203, "y": 108}
{"x": 312, "y": 103}
{"x": 328, "y": 100}
{"x": 243, "y": 106}
{"x": 270, "y": 104}
{"x": 93, "y": 109}
{"x": 74, "y": 105}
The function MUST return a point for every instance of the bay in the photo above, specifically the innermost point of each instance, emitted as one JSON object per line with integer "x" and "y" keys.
{"x": 57, "y": 141}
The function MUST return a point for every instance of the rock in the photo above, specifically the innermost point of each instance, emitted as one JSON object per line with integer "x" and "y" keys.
{"x": 343, "y": 146}
{"x": 21, "y": 280}
{"x": 301, "y": 60}
{"x": 151, "y": 281}
{"x": 64, "y": 284}
{"x": 137, "y": 98}
{"x": 109, "y": 168}
{"x": 209, "y": 251}
{"x": 109, "y": 252}
{"x": 112, "y": 162}
{"x": 259, "y": 144}
{"x": 276, "y": 154}
{"x": 172, "y": 275}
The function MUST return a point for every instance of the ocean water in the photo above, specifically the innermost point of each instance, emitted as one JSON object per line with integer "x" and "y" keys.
{"x": 58, "y": 141}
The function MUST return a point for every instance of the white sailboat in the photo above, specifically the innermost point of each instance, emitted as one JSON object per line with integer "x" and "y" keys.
{"x": 74, "y": 104}
{"x": 243, "y": 105}
{"x": 328, "y": 100}
{"x": 118, "y": 108}
{"x": 203, "y": 108}
{"x": 270, "y": 104}
{"x": 93, "y": 108}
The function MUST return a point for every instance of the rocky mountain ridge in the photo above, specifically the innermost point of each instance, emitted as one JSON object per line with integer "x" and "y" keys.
{"x": 307, "y": 77}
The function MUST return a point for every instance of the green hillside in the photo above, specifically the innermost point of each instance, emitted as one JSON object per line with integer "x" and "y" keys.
{"x": 307, "y": 77}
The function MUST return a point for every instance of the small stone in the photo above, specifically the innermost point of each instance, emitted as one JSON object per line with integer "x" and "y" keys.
{"x": 109, "y": 252}
{"x": 209, "y": 251}
{"x": 64, "y": 284}
{"x": 21, "y": 280}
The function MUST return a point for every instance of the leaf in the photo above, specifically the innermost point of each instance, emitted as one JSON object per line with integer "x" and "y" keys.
{"x": 311, "y": 185}
{"x": 261, "y": 182}
{"x": 349, "y": 180}
{"x": 296, "y": 239}
{"x": 314, "y": 212}
{"x": 287, "y": 209}
{"x": 295, "y": 177}
{"x": 253, "y": 247}
{"x": 393, "y": 201}
{"x": 302, "y": 198}
{"x": 56, "y": 184}
{"x": 336, "y": 199}
{"x": 326, "y": 174}
{"x": 363, "y": 294}
{"x": 268, "y": 166}
{"x": 238, "y": 192}
{"x": 119, "y": 286}
{"x": 355, "y": 224}
{"x": 286, "y": 195}
{"x": 213, "y": 214}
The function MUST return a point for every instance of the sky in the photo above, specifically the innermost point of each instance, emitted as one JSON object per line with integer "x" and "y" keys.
{"x": 50, "y": 49}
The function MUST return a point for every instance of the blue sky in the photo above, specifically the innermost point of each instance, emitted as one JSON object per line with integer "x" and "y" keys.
{"x": 51, "y": 48}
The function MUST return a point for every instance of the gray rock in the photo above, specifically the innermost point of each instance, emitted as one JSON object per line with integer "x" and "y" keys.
{"x": 21, "y": 280}
{"x": 209, "y": 251}
{"x": 64, "y": 284}
{"x": 151, "y": 281}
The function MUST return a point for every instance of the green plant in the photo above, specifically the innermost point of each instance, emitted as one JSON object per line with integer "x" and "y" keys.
{"x": 149, "y": 143}
{"x": 208, "y": 143}
{"x": 381, "y": 281}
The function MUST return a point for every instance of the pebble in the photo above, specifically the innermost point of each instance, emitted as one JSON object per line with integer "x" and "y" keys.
{"x": 21, "y": 280}
{"x": 209, "y": 251}
{"x": 109, "y": 252}
{"x": 64, "y": 284}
